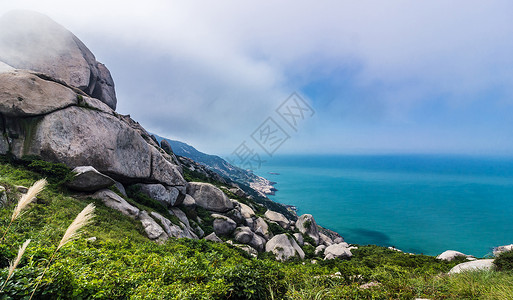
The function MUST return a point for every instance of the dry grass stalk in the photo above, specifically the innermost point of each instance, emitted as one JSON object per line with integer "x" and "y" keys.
{"x": 25, "y": 200}
{"x": 82, "y": 219}
{"x": 28, "y": 198}
{"x": 15, "y": 263}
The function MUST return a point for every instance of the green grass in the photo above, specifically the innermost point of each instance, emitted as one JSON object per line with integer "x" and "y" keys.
{"x": 124, "y": 264}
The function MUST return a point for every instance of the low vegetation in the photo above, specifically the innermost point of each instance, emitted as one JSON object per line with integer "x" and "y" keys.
{"x": 120, "y": 263}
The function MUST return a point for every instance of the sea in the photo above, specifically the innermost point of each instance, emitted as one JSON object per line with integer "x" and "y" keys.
{"x": 423, "y": 204}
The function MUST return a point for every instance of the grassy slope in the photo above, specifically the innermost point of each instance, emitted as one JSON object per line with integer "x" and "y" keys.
{"x": 123, "y": 264}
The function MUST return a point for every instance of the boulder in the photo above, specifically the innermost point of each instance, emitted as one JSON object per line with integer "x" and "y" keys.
{"x": 164, "y": 144}
{"x": 209, "y": 197}
{"x": 121, "y": 188}
{"x": 278, "y": 218}
{"x": 248, "y": 249}
{"x": 338, "y": 240}
{"x": 306, "y": 225}
{"x": 284, "y": 247}
{"x": 260, "y": 227}
{"x": 171, "y": 229}
{"x": 480, "y": 264}
{"x": 246, "y": 211}
{"x": 112, "y": 200}
{"x": 88, "y": 179}
{"x": 180, "y": 215}
{"x": 243, "y": 235}
{"x": 168, "y": 196}
{"x": 32, "y": 41}
{"x": 213, "y": 237}
{"x": 299, "y": 238}
{"x": 337, "y": 251}
{"x": 78, "y": 136}
{"x": 152, "y": 228}
{"x": 235, "y": 215}
{"x": 223, "y": 225}
{"x": 450, "y": 255}
{"x": 189, "y": 202}
{"x": 25, "y": 94}
{"x": 501, "y": 249}
{"x": 319, "y": 249}
{"x": 325, "y": 240}
{"x": 249, "y": 222}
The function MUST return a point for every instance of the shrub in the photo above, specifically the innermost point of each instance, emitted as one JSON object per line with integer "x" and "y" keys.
{"x": 504, "y": 262}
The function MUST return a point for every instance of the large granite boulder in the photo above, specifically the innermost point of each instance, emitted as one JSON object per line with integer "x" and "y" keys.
{"x": 223, "y": 225}
{"x": 475, "y": 265}
{"x": 450, "y": 255}
{"x": 209, "y": 197}
{"x": 306, "y": 225}
{"x": 87, "y": 179}
{"x": 32, "y": 41}
{"x": 78, "y": 136}
{"x": 261, "y": 227}
{"x": 337, "y": 251}
{"x": 284, "y": 247}
{"x": 24, "y": 94}
{"x": 112, "y": 200}
{"x": 168, "y": 196}
{"x": 153, "y": 230}
{"x": 278, "y": 218}
{"x": 244, "y": 235}
{"x": 246, "y": 211}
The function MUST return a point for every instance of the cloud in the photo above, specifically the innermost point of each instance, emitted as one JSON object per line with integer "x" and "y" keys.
{"x": 210, "y": 72}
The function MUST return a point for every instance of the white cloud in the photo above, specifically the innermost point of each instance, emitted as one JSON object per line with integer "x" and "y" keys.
{"x": 209, "y": 72}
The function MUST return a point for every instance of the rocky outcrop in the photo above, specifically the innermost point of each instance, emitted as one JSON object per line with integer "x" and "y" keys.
{"x": 77, "y": 132}
{"x": 306, "y": 225}
{"x": 481, "y": 264}
{"x": 209, "y": 197}
{"x": 450, "y": 255}
{"x": 244, "y": 235}
{"x": 284, "y": 247}
{"x": 32, "y": 41}
{"x": 501, "y": 249}
{"x": 87, "y": 179}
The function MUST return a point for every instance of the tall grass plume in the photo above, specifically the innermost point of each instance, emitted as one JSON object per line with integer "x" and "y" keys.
{"x": 15, "y": 263}
{"x": 25, "y": 200}
{"x": 82, "y": 219}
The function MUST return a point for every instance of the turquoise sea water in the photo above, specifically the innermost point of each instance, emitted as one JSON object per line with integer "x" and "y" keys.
{"x": 419, "y": 204}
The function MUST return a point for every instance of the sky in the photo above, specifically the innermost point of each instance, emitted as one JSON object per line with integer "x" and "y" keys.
{"x": 371, "y": 76}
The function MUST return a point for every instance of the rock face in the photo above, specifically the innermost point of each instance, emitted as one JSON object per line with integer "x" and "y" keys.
{"x": 481, "y": 264}
{"x": 450, "y": 255}
{"x": 209, "y": 197}
{"x": 87, "y": 179}
{"x": 284, "y": 247}
{"x": 32, "y": 41}
{"x": 306, "y": 225}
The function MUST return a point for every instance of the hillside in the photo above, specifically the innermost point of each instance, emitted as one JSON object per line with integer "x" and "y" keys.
{"x": 222, "y": 167}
